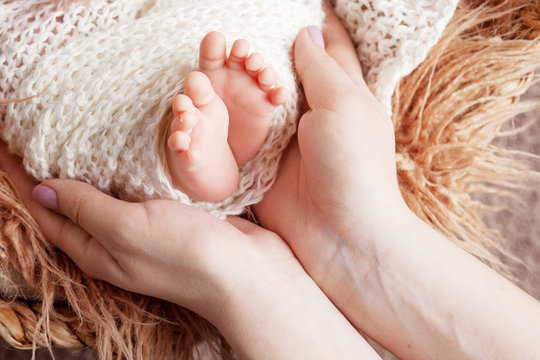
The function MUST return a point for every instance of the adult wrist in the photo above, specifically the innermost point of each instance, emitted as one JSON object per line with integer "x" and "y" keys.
{"x": 364, "y": 237}
{"x": 422, "y": 295}
{"x": 362, "y": 257}
{"x": 282, "y": 314}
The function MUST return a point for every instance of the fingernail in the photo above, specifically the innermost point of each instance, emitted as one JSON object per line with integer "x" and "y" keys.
{"x": 316, "y": 35}
{"x": 45, "y": 196}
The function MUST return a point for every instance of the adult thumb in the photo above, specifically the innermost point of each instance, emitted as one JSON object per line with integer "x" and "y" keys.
{"x": 324, "y": 81}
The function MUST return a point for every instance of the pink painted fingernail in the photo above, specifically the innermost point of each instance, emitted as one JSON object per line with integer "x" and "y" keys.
{"x": 316, "y": 35}
{"x": 45, "y": 196}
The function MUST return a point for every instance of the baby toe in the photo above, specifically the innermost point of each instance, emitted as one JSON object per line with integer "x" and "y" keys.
{"x": 267, "y": 78}
{"x": 179, "y": 141}
{"x": 212, "y": 51}
{"x": 199, "y": 89}
{"x": 238, "y": 55}
{"x": 277, "y": 96}
{"x": 254, "y": 64}
{"x": 182, "y": 103}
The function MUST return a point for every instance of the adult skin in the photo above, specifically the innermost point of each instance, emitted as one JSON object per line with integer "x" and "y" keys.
{"x": 341, "y": 212}
{"x": 242, "y": 278}
{"x": 390, "y": 274}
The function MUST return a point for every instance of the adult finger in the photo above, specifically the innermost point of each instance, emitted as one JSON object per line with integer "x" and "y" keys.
{"x": 84, "y": 205}
{"x": 57, "y": 228}
{"x": 325, "y": 82}
{"x": 339, "y": 45}
{"x": 89, "y": 227}
{"x": 73, "y": 238}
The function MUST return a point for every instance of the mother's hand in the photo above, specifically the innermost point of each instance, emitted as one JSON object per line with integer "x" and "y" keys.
{"x": 147, "y": 247}
{"x": 337, "y": 184}
{"x": 159, "y": 248}
{"x": 242, "y": 278}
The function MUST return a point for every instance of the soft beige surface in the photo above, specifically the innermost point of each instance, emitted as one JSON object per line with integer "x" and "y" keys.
{"x": 520, "y": 224}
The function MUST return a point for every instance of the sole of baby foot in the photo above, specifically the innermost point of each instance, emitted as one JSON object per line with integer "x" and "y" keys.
{"x": 247, "y": 89}
{"x": 200, "y": 161}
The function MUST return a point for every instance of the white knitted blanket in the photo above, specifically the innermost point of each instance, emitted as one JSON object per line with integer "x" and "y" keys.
{"x": 102, "y": 74}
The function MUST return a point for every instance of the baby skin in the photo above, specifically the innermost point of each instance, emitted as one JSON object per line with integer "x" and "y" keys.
{"x": 221, "y": 120}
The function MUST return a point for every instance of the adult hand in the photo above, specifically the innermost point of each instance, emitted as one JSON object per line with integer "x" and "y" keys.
{"x": 142, "y": 247}
{"x": 242, "y": 278}
{"x": 337, "y": 203}
{"x": 338, "y": 177}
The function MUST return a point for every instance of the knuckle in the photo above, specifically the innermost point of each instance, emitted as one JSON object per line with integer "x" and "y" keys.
{"x": 76, "y": 210}
{"x": 79, "y": 209}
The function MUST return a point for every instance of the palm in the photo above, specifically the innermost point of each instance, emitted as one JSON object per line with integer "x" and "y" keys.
{"x": 318, "y": 194}
{"x": 312, "y": 192}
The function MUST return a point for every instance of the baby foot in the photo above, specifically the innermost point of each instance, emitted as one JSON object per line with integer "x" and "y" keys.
{"x": 222, "y": 119}
{"x": 199, "y": 158}
{"x": 246, "y": 88}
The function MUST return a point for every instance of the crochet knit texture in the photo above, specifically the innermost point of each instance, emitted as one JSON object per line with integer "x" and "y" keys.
{"x": 100, "y": 77}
